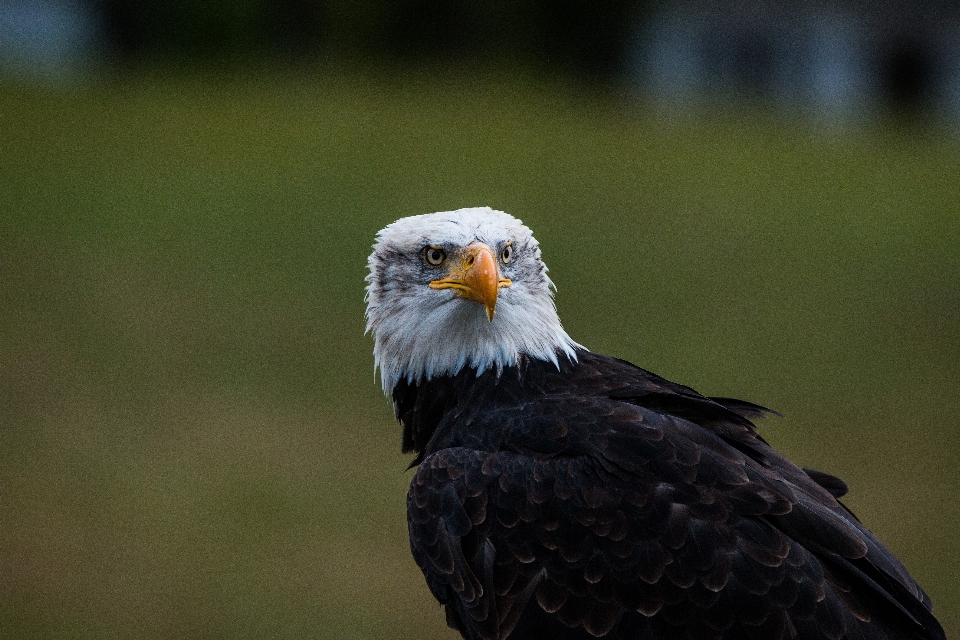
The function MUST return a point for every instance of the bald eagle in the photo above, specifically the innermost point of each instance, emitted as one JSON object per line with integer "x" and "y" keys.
{"x": 560, "y": 493}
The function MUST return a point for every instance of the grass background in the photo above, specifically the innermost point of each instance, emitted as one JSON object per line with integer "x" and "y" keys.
{"x": 192, "y": 440}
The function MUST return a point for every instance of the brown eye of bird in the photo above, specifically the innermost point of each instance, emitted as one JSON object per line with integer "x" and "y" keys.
{"x": 434, "y": 256}
{"x": 507, "y": 254}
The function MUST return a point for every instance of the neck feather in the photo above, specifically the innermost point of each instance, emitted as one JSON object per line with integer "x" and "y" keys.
{"x": 414, "y": 345}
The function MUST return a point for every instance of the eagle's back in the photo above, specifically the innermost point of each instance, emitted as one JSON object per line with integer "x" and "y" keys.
{"x": 597, "y": 499}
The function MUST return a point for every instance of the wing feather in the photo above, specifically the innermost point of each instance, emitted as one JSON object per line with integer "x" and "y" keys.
{"x": 602, "y": 516}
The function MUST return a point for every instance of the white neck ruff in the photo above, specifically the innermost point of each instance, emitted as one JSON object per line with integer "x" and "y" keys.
{"x": 417, "y": 344}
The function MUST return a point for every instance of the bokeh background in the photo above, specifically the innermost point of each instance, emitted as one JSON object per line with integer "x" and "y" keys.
{"x": 757, "y": 200}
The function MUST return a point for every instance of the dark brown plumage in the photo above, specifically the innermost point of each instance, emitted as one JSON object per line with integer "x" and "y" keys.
{"x": 599, "y": 500}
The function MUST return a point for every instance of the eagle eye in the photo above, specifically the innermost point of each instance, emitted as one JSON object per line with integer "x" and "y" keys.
{"x": 506, "y": 255}
{"x": 435, "y": 256}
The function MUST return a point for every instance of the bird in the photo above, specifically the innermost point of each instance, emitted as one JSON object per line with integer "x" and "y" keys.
{"x": 563, "y": 494}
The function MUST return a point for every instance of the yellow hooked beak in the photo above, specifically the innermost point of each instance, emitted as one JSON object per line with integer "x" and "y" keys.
{"x": 475, "y": 277}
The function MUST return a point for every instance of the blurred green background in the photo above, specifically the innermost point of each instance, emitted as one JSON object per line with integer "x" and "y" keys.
{"x": 194, "y": 444}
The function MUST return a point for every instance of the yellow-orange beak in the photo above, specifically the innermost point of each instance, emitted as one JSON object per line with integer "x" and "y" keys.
{"x": 475, "y": 277}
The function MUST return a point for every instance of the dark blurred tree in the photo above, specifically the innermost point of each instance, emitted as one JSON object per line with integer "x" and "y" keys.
{"x": 432, "y": 27}
{"x": 212, "y": 28}
{"x": 583, "y": 36}
{"x": 907, "y": 73}
{"x": 126, "y": 27}
{"x": 571, "y": 35}
{"x": 297, "y": 26}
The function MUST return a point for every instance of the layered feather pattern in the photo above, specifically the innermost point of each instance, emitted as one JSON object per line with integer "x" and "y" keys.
{"x": 599, "y": 500}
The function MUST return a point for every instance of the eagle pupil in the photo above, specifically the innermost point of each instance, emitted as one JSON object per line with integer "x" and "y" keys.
{"x": 507, "y": 254}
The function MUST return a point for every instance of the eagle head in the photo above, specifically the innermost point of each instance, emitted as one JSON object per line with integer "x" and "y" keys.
{"x": 457, "y": 289}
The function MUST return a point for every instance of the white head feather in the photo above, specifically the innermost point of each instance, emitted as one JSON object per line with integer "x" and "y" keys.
{"x": 420, "y": 332}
